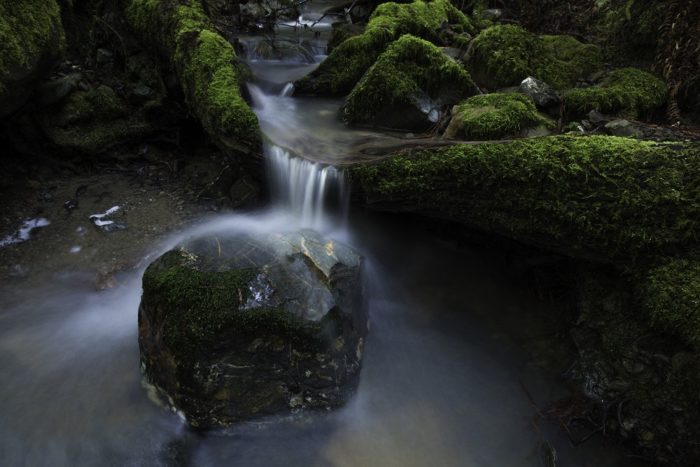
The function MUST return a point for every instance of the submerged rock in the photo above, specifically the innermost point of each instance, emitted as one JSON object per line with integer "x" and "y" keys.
{"x": 241, "y": 326}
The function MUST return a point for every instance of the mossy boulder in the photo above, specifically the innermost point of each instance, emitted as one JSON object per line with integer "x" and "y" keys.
{"x": 494, "y": 116}
{"x": 604, "y": 198}
{"x": 93, "y": 121}
{"x": 348, "y": 61}
{"x": 237, "y": 326}
{"x": 628, "y": 92}
{"x": 504, "y": 55}
{"x": 31, "y": 41}
{"x": 206, "y": 66}
{"x": 408, "y": 87}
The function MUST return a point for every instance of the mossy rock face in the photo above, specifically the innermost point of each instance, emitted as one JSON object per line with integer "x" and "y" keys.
{"x": 348, "y": 61}
{"x": 671, "y": 298}
{"x": 205, "y": 64}
{"x": 605, "y": 198}
{"x": 494, "y": 116}
{"x": 31, "y": 40}
{"x": 504, "y": 55}
{"x": 638, "y": 360}
{"x": 91, "y": 122}
{"x": 236, "y": 326}
{"x": 628, "y": 92}
{"x": 408, "y": 87}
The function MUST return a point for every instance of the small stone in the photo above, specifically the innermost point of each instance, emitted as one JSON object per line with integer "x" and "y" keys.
{"x": 541, "y": 93}
{"x": 104, "y": 56}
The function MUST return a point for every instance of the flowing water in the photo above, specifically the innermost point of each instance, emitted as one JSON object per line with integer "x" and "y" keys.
{"x": 437, "y": 386}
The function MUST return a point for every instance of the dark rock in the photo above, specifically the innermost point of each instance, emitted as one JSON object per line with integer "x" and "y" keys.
{"x": 541, "y": 93}
{"x": 57, "y": 89}
{"x": 621, "y": 128}
{"x": 597, "y": 118}
{"x": 241, "y": 326}
{"x": 104, "y": 57}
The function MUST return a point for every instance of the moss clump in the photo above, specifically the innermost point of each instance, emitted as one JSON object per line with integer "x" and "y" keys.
{"x": 30, "y": 30}
{"x": 411, "y": 69}
{"x": 197, "y": 307}
{"x": 93, "y": 121}
{"x": 205, "y": 63}
{"x": 600, "y": 197}
{"x": 494, "y": 116}
{"x": 348, "y": 61}
{"x": 671, "y": 298}
{"x": 504, "y": 55}
{"x": 628, "y": 91}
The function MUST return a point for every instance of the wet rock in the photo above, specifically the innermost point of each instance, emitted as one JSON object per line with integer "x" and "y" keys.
{"x": 240, "y": 326}
{"x": 541, "y": 93}
{"x": 621, "y": 128}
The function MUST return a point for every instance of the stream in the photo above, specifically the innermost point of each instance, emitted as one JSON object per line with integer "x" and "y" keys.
{"x": 438, "y": 386}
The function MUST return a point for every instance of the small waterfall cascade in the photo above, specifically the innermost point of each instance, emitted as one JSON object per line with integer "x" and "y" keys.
{"x": 313, "y": 192}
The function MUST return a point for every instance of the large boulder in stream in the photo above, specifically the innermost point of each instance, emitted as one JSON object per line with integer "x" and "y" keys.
{"x": 239, "y": 326}
{"x": 408, "y": 87}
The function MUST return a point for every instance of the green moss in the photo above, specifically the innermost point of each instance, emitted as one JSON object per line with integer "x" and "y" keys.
{"x": 628, "y": 91}
{"x": 566, "y": 60}
{"x": 99, "y": 103}
{"x": 93, "y": 121}
{"x": 28, "y": 29}
{"x": 504, "y": 55}
{"x": 199, "y": 307}
{"x": 671, "y": 298}
{"x": 494, "y": 116}
{"x": 410, "y": 67}
{"x": 205, "y": 63}
{"x": 348, "y": 62}
{"x": 606, "y": 198}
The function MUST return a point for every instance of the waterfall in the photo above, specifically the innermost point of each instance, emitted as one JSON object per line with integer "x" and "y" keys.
{"x": 312, "y": 192}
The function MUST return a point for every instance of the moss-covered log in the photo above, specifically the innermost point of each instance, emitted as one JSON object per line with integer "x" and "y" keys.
{"x": 31, "y": 40}
{"x": 606, "y": 198}
{"x": 348, "y": 61}
{"x": 205, "y": 64}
